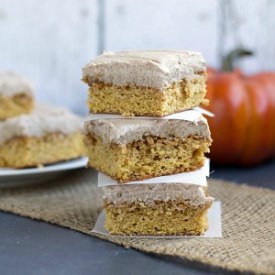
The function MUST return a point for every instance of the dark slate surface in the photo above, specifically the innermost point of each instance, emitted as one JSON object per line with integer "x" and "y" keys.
{"x": 37, "y": 248}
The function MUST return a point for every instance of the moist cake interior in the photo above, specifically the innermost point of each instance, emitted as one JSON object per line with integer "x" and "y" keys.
{"x": 133, "y": 100}
{"x": 23, "y": 152}
{"x": 156, "y": 209}
{"x": 147, "y": 158}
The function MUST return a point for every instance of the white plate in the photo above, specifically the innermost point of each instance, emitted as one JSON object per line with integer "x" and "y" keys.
{"x": 12, "y": 177}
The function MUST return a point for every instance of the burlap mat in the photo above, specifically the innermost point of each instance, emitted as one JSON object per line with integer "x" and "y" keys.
{"x": 248, "y": 243}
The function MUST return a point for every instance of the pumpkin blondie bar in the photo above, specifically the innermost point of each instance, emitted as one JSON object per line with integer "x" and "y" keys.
{"x": 147, "y": 83}
{"x": 134, "y": 149}
{"x": 156, "y": 209}
{"x": 47, "y": 135}
{"x": 16, "y": 95}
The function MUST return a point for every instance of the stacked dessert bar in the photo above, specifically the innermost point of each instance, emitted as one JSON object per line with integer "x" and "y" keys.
{"x": 141, "y": 127}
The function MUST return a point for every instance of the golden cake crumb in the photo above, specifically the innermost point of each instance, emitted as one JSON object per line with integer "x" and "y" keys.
{"x": 147, "y": 158}
{"x": 134, "y": 100}
{"x": 164, "y": 218}
{"x": 23, "y": 152}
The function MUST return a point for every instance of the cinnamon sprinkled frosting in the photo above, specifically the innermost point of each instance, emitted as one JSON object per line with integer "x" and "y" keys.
{"x": 42, "y": 121}
{"x": 12, "y": 84}
{"x": 192, "y": 195}
{"x": 154, "y": 69}
{"x": 127, "y": 130}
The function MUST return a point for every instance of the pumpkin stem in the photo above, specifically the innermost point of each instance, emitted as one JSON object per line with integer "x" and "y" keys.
{"x": 229, "y": 59}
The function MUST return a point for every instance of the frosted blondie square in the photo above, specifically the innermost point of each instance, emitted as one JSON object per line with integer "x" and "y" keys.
{"x": 147, "y": 83}
{"x": 156, "y": 209}
{"x": 134, "y": 149}
{"x": 47, "y": 135}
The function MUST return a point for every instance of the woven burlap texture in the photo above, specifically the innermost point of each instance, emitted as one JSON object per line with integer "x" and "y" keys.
{"x": 248, "y": 243}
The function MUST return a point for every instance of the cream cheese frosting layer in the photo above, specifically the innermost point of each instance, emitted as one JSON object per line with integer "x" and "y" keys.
{"x": 42, "y": 121}
{"x": 12, "y": 84}
{"x": 192, "y": 195}
{"x": 127, "y": 130}
{"x": 154, "y": 69}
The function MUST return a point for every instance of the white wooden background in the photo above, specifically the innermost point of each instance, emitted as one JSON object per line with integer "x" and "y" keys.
{"x": 50, "y": 41}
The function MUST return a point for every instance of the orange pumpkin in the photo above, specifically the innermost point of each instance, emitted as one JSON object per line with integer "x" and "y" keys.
{"x": 243, "y": 128}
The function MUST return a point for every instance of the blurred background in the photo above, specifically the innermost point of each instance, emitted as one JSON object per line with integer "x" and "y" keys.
{"x": 50, "y": 41}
